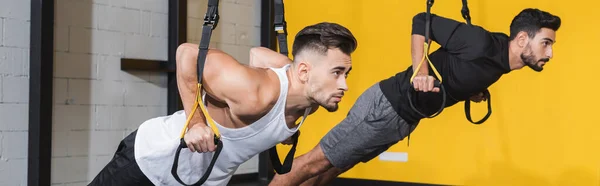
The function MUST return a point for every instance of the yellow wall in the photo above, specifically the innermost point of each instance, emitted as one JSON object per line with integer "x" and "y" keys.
{"x": 543, "y": 133}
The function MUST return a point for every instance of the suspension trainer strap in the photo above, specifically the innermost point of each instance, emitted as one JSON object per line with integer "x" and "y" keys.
{"x": 281, "y": 27}
{"x": 465, "y": 12}
{"x": 210, "y": 23}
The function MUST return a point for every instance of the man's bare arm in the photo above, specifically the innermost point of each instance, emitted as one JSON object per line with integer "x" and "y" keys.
{"x": 224, "y": 80}
{"x": 263, "y": 58}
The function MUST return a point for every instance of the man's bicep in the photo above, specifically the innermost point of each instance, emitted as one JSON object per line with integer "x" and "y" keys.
{"x": 454, "y": 36}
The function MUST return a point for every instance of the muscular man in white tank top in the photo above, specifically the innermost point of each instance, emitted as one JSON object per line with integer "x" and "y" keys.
{"x": 254, "y": 108}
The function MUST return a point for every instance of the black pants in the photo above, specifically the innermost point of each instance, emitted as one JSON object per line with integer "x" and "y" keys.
{"x": 122, "y": 169}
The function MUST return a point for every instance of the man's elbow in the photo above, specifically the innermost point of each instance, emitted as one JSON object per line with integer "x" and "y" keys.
{"x": 184, "y": 52}
{"x": 418, "y": 23}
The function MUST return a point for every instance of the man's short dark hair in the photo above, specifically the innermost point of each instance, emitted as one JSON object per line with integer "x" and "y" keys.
{"x": 323, "y": 36}
{"x": 531, "y": 20}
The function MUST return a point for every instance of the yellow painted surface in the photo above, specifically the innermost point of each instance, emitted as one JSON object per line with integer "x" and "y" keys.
{"x": 544, "y": 126}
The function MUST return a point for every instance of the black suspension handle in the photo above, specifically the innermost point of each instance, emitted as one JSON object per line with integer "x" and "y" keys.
{"x": 488, "y": 97}
{"x": 436, "y": 83}
{"x": 183, "y": 145}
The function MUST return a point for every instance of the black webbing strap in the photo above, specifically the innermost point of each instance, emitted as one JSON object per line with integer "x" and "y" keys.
{"x": 211, "y": 19}
{"x": 487, "y": 95}
{"x": 465, "y": 12}
{"x": 287, "y": 163}
{"x": 466, "y": 15}
{"x": 281, "y": 27}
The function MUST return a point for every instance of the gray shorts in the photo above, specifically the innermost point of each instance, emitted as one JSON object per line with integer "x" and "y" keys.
{"x": 370, "y": 128}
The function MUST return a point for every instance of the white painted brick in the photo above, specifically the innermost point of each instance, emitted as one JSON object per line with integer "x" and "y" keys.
{"x": 69, "y": 169}
{"x": 79, "y": 91}
{"x": 224, "y": 33}
{"x": 145, "y": 47}
{"x": 14, "y": 116}
{"x": 158, "y": 78}
{"x": 143, "y": 93}
{"x": 118, "y": 19}
{"x": 194, "y": 26}
{"x": 74, "y": 65}
{"x": 102, "y": 118}
{"x": 156, "y": 111}
{"x": 79, "y": 143}
{"x": 134, "y": 4}
{"x": 131, "y": 117}
{"x": 60, "y": 87}
{"x": 117, "y": 3}
{"x": 14, "y": 145}
{"x": 247, "y": 35}
{"x": 101, "y": 2}
{"x": 60, "y": 144}
{"x": 237, "y": 13}
{"x": 252, "y": 3}
{"x": 159, "y": 6}
{"x": 61, "y": 38}
{"x": 97, "y": 163}
{"x": 16, "y": 33}
{"x": 14, "y": 61}
{"x": 80, "y": 40}
{"x": 84, "y": 40}
{"x": 109, "y": 68}
{"x": 230, "y": 49}
{"x": 145, "y": 24}
{"x": 96, "y": 92}
{"x": 158, "y": 22}
{"x": 104, "y": 142}
{"x": 72, "y": 117}
{"x": 1, "y": 31}
{"x": 15, "y": 89}
{"x": 243, "y": 54}
{"x": 76, "y": 13}
{"x": 13, "y": 172}
{"x": 122, "y": 118}
{"x": 58, "y": 174}
{"x": 197, "y": 8}
{"x": 18, "y": 9}
{"x": 101, "y": 94}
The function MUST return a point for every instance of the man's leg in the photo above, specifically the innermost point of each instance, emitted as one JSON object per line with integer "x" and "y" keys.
{"x": 370, "y": 127}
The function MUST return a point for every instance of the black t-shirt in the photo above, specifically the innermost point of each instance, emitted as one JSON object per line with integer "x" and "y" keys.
{"x": 469, "y": 60}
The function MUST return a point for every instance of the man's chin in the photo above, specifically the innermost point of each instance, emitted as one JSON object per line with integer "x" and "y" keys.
{"x": 331, "y": 108}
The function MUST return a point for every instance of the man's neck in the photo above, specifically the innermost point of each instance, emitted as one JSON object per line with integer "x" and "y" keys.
{"x": 296, "y": 97}
{"x": 514, "y": 56}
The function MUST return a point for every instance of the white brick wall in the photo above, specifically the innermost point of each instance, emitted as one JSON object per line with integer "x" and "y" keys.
{"x": 14, "y": 90}
{"x": 95, "y": 103}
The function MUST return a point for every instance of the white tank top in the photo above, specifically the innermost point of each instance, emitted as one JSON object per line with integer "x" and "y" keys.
{"x": 157, "y": 140}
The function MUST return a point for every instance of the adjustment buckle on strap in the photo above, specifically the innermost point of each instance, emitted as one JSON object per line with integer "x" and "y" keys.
{"x": 281, "y": 28}
{"x": 211, "y": 18}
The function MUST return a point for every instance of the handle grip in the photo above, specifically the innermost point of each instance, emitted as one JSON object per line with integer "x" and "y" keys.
{"x": 204, "y": 177}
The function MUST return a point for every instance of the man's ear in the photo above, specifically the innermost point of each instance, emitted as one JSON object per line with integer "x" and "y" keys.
{"x": 302, "y": 70}
{"x": 522, "y": 39}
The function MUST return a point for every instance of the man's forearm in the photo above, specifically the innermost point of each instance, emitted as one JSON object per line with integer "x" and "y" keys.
{"x": 187, "y": 81}
{"x": 417, "y": 53}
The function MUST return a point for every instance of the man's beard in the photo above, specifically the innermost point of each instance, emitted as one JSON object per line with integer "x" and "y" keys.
{"x": 530, "y": 61}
